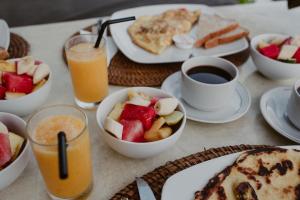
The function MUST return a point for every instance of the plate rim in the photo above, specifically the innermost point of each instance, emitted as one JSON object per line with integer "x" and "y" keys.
{"x": 116, "y": 39}
{"x": 263, "y": 101}
{"x": 231, "y": 156}
{"x": 231, "y": 119}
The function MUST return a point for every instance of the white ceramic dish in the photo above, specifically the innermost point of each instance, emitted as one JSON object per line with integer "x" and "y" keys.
{"x": 132, "y": 149}
{"x": 4, "y": 34}
{"x": 270, "y": 68}
{"x": 172, "y": 54}
{"x": 27, "y": 104}
{"x": 185, "y": 183}
{"x": 9, "y": 174}
{"x": 240, "y": 103}
{"x": 273, "y": 105}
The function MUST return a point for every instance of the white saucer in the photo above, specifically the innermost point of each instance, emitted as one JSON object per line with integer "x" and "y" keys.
{"x": 238, "y": 106}
{"x": 273, "y": 107}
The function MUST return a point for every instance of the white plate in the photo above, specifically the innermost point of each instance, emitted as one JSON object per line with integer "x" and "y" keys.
{"x": 172, "y": 54}
{"x": 273, "y": 107}
{"x": 4, "y": 34}
{"x": 238, "y": 106}
{"x": 184, "y": 184}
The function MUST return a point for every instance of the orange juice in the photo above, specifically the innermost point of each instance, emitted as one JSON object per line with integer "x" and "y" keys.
{"x": 78, "y": 155}
{"x": 88, "y": 67}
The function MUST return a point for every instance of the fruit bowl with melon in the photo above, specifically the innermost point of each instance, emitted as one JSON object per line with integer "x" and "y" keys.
{"x": 276, "y": 56}
{"x": 14, "y": 148}
{"x": 141, "y": 122}
{"x": 24, "y": 85}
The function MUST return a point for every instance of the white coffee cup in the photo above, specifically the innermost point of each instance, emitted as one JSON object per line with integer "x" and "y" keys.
{"x": 204, "y": 96}
{"x": 293, "y": 107}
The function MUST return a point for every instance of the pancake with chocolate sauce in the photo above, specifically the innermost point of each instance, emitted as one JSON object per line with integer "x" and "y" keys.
{"x": 262, "y": 174}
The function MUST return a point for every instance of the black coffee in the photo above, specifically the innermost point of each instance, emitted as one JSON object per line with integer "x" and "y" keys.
{"x": 209, "y": 74}
{"x": 298, "y": 90}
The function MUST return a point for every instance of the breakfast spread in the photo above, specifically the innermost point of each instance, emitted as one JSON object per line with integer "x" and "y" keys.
{"x": 284, "y": 49}
{"x": 143, "y": 118}
{"x": 155, "y": 33}
{"x": 268, "y": 173}
{"x": 10, "y": 146}
{"x": 21, "y": 77}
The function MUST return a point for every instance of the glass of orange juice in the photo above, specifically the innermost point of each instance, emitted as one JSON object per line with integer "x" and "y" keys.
{"x": 42, "y": 129}
{"x": 88, "y": 68}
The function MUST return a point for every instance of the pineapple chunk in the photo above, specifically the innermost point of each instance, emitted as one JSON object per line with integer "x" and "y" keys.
{"x": 116, "y": 112}
{"x": 16, "y": 143}
{"x": 262, "y": 44}
{"x": 152, "y": 133}
{"x": 39, "y": 85}
{"x": 173, "y": 118}
{"x": 164, "y": 132}
{"x": 7, "y": 67}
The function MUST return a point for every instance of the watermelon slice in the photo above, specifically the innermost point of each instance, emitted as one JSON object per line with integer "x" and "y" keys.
{"x": 272, "y": 51}
{"x": 2, "y": 92}
{"x": 5, "y": 150}
{"x": 18, "y": 83}
{"x": 133, "y": 130}
{"x": 297, "y": 55}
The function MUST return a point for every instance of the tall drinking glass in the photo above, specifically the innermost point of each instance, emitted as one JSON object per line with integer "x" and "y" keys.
{"x": 42, "y": 129}
{"x": 88, "y": 67}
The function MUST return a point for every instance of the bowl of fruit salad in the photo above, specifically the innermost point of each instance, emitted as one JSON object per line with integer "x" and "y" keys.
{"x": 25, "y": 84}
{"x": 276, "y": 56}
{"x": 141, "y": 122}
{"x": 14, "y": 148}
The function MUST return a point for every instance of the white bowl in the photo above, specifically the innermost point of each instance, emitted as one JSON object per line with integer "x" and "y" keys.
{"x": 132, "y": 149}
{"x": 29, "y": 103}
{"x": 270, "y": 68}
{"x": 10, "y": 173}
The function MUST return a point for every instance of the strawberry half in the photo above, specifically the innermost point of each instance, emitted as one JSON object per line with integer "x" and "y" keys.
{"x": 133, "y": 130}
{"x": 18, "y": 83}
{"x": 2, "y": 92}
{"x": 297, "y": 55}
{"x": 271, "y": 51}
{"x": 134, "y": 112}
{"x": 5, "y": 151}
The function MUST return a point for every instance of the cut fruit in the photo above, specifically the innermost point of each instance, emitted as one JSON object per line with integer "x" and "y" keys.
{"x": 113, "y": 127}
{"x": 39, "y": 85}
{"x": 166, "y": 106}
{"x": 5, "y": 151}
{"x": 271, "y": 51}
{"x": 24, "y": 65}
{"x": 3, "y": 128}
{"x": 2, "y": 92}
{"x": 287, "y": 52}
{"x": 134, "y": 112}
{"x": 152, "y": 134}
{"x": 7, "y": 67}
{"x": 31, "y": 71}
{"x": 40, "y": 73}
{"x": 16, "y": 143}
{"x": 133, "y": 130}
{"x": 173, "y": 118}
{"x": 297, "y": 55}
{"x": 278, "y": 40}
{"x": 17, "y": 83}
{"x": 262, "y": 44}
{"x": 138, "y": 100}
{"x": 13, "y": 95}
{"x": 116, "y": 112}
{"x": 164, "y": 132}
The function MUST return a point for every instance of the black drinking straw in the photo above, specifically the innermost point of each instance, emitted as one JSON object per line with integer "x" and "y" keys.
{"x": 62, "y": 155}
{"x": 108, "y": 22}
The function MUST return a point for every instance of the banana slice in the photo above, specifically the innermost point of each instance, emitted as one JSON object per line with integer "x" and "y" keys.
{"x": 138, "y": 100}
{"x": 113, "y": 127}
{"x": 3, "y": 128}
{"x": 166, "y": 106}
{"x": 173, "y": 118}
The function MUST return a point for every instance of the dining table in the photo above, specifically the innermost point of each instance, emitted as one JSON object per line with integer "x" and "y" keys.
{"x": 112, "y": 171}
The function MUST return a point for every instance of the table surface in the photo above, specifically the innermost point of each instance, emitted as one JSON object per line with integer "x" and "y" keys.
{"x": 112, "y": 171}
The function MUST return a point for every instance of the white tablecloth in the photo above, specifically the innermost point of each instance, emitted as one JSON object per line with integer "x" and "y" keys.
{"x": 113, "y": 171}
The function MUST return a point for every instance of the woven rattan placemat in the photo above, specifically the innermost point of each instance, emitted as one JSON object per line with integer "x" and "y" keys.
{"x": 124, "y": 72}
{"x": 18, "y": 46}
{"x": 157, "y": 178}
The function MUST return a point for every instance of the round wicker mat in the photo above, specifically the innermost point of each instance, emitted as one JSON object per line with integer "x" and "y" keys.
{"x": 18, "y": 46}
{"x": 158, "y": 177}
{"x": 124, "y": 72}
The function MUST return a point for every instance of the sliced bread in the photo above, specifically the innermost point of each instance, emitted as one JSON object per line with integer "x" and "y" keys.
{"x": 210, "y": 26}
{"x": 231, "y": 36}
